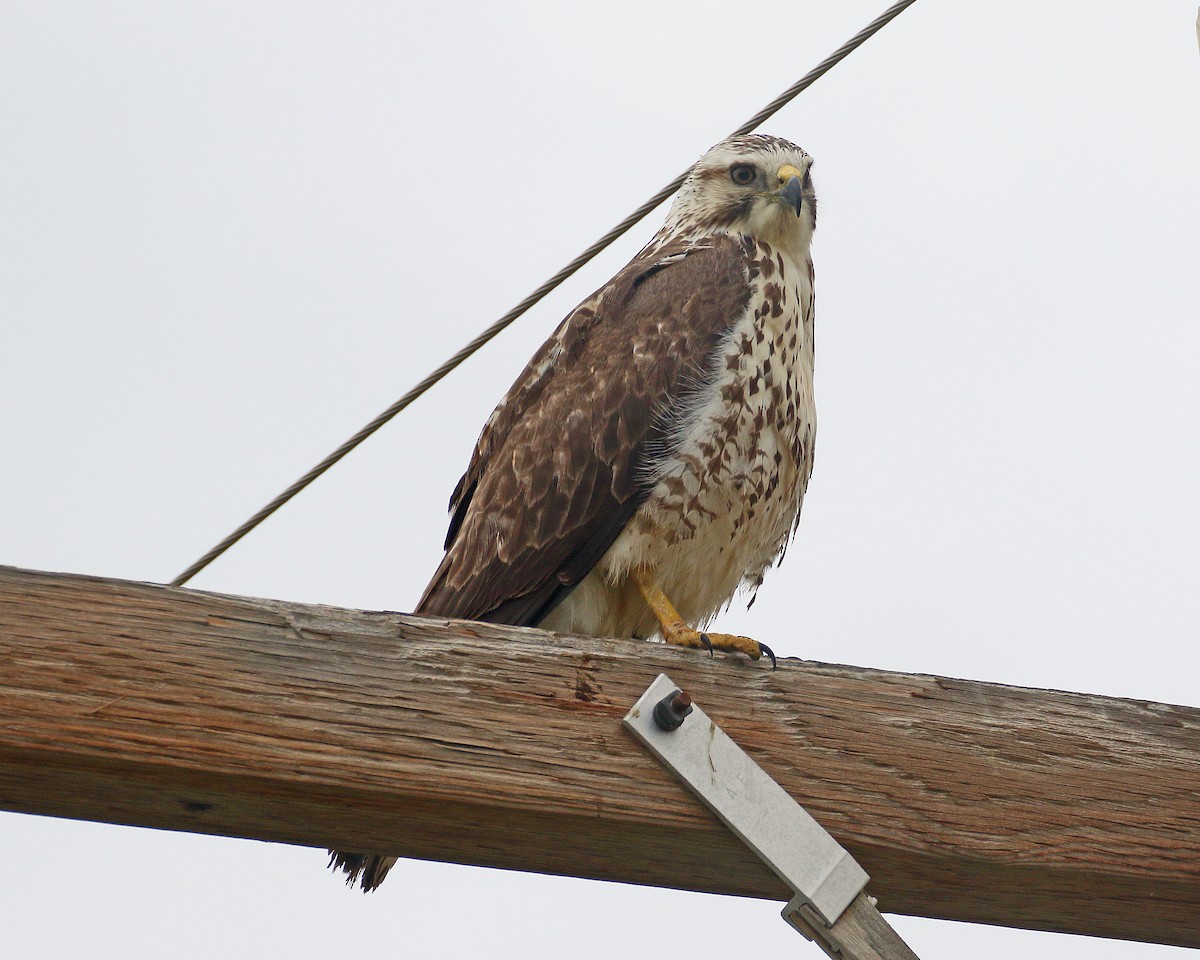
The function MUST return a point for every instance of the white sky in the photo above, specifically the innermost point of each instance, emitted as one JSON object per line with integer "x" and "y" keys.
{"x": 231, "y": 233}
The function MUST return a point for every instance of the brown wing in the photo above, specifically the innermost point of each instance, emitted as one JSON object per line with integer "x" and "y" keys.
{"x": 557, "y": 472}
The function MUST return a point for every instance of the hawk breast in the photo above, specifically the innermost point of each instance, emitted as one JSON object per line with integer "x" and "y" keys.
{"x": 731, "y": 475}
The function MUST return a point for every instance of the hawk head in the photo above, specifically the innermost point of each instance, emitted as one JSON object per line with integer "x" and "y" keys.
{"x": 753, "y": 184}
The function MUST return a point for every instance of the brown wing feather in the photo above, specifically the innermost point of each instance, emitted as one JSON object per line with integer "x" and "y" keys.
{"x": 557, "y": 472}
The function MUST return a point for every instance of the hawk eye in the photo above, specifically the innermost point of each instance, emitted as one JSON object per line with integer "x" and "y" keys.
{"x": 742, "y": 174}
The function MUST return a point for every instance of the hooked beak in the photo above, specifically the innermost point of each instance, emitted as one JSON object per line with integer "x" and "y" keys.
{"x": 791, "y": 189}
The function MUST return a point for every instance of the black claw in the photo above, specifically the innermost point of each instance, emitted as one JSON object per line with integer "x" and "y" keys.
{"x": 708, "y": 643}
{"x": 763, "y": 648}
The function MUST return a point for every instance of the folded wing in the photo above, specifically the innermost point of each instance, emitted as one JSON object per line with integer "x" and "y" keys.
{"x": 561, "y": 466}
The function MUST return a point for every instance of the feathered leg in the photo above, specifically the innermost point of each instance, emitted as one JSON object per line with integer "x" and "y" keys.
{"x": 676, "y": 631}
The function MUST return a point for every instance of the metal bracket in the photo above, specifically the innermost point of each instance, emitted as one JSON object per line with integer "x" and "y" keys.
{"x": 823, "y": 876}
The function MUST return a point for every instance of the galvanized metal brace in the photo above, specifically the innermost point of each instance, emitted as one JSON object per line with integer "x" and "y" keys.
{"x": 824, "y": 878}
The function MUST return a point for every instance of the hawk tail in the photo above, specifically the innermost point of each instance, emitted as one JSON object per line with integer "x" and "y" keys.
{"x": 369, "y": 868}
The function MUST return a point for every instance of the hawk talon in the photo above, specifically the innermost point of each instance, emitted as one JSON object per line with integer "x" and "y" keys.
{"x": 763, "y": 648}
{"x": 707, "y": 644}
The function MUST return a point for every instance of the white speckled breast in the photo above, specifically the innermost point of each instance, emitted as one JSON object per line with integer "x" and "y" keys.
{"x": 730, "y": 485}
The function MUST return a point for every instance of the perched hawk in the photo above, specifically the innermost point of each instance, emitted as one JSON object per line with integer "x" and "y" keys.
{"x": 653, "y": 455}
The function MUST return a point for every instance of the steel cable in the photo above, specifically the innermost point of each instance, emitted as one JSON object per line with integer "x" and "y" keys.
{"x": 768, "y": 111}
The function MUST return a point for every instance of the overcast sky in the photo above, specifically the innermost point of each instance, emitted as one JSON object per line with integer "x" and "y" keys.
{"x": 231, "y": 233}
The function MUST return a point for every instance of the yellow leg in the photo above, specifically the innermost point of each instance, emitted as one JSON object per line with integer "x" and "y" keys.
{"x": 677, "y": 632}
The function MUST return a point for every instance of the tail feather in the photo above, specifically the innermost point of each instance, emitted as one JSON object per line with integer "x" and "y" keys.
{"x": 369, "y": 868}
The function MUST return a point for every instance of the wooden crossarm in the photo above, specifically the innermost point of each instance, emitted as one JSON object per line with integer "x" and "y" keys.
{"x": 140, "y": 704}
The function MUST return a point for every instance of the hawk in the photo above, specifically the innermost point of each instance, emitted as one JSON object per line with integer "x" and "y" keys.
{"x": 653, "y": 455}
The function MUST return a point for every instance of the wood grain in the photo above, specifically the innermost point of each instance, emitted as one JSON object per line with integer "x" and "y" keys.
{"x": 163, "y": 707}
{"x": 862, "y": 934}
{"x": 859, "y": 934}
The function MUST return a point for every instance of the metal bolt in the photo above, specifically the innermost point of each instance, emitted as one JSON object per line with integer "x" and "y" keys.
{"x": 671, "y": 710}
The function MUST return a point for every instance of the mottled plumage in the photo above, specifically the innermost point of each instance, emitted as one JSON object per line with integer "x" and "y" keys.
{"x": 662, "y": 438}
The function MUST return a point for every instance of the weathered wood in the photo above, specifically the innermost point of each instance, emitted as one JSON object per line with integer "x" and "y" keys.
{"x": 862, "y": 934}
{"x": 140, "y": 704}
{"x": 859, "y": 934}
